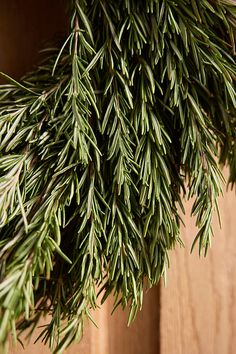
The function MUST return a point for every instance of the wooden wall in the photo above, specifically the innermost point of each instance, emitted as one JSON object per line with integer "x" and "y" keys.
{"x": 198, "y": 306}
{"x": 196, "y": 312}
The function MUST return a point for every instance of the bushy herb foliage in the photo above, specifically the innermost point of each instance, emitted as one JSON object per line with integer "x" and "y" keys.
{"x": 99, "y": 144}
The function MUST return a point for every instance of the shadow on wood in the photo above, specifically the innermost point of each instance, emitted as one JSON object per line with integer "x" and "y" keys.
{"x": 25, "y": 27}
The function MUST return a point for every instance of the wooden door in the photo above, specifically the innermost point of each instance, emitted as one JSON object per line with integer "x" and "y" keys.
{"x": 196, "y": 312}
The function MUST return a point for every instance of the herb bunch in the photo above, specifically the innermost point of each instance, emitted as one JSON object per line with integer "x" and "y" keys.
{"x": 98, "y": 146}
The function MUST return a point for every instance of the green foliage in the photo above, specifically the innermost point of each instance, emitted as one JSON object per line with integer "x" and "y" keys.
{"x": 99, "y": 144}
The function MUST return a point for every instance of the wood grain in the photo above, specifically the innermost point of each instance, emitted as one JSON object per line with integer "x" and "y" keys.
{"x": 198, "y": 306}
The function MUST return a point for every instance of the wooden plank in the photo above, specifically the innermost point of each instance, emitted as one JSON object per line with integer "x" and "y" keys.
{"x": 113, "y": 336}
{"x": 198, "y": 306}
{"x": 142, "y": 337}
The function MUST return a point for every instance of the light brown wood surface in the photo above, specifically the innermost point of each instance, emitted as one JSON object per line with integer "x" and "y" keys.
{"x": 198, "y": 306}
{"x": 112, "y": 335}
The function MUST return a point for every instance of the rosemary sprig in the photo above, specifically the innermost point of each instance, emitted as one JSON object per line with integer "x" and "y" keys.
{"x": 98, "y": 147}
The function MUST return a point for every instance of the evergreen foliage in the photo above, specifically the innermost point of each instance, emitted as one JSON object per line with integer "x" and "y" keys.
{"x": 98, "y": 146}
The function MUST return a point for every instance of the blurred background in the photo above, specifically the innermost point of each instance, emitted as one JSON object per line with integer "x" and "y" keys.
{"x": 196, "y": 311}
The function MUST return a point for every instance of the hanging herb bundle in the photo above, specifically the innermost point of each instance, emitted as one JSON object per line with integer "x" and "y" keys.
{"x": 97, "y": 147}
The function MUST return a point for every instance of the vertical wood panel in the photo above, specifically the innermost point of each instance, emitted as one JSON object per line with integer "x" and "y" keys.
{"x": 112, "y": 335}
{"x": 198, "y": 306}
{"x": 143, "y": 335}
